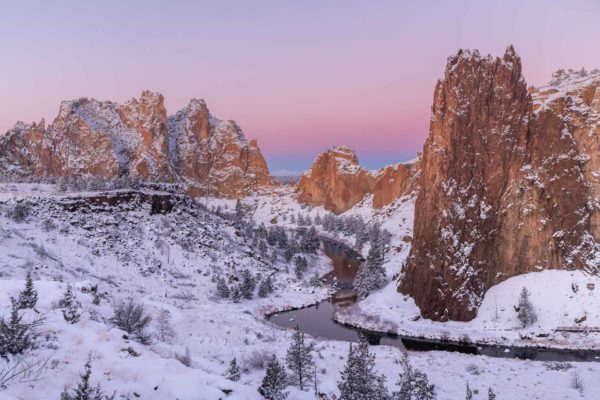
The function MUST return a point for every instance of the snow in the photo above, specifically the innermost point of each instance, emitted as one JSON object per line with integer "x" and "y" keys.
{"x": 84, "y": 251}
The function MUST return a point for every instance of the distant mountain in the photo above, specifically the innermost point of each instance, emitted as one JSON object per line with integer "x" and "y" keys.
{"x": 337, "y": 181}
{"x": 137, "y": 140}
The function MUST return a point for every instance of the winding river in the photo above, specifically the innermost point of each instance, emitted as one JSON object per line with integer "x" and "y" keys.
{"x": 317, "y": 320}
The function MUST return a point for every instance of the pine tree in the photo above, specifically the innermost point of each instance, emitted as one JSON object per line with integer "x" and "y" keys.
{"x": 310, "y": 242}
{"x": 29, "y": 296}
{"x": 84, "y": 390}
{"x": 359, "y": 380}
{"x": 413, "y": 384}
{"x": 299, "y": 358}
{"x": 222, "y": 289}
{"x": 371, "y": 275}
{"x": 233, "y": 373}
{"x": 526, "y": 313}
{"x": 70, "y": 306}
{"x": 491, "y": 394}
{"x": 239, "y": 211}
{"x": 248, "y": 284}
{"x": 469, "y": 393}
{"x": 164, "y": 329}
{"x": 15, "y": 335}
{"x": 266, "y": 287}
{"x": 301, "y": 265}
{"x": 274, "y": 382}
{"x": 236, "y": 294}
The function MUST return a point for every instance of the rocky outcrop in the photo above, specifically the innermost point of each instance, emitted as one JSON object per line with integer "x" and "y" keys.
{"x": 137, "y": 140}
{"x": 395, "y": 181}
{"x": 337, "y": 182}
{"x": 507, "y": 185}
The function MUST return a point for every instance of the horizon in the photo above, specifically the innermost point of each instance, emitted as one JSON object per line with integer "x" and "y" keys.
{"x": 335, "y": 74}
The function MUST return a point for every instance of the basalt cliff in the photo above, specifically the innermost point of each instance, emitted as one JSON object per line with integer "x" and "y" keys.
{"x": 137, "y": 140}
{"x": 509, "y": 182}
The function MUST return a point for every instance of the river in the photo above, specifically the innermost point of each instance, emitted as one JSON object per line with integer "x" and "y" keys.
{"x": 317, "y": 320}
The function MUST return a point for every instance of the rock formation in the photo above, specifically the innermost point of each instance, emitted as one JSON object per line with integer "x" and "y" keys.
{"x": 337, "y": 181}
{"x": 508, "y": 184}
{"x": 137, "y": 140}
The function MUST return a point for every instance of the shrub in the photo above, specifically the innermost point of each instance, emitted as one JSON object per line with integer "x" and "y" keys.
{"x": 132, "y": 318}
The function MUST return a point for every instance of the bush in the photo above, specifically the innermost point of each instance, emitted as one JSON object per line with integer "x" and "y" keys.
{"x": 19, "y": 212}
{"x": 132, "y": 318}
{"x": 258, "y": 359}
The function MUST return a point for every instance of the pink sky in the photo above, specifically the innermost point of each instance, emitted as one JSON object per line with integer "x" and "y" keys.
{"x": 298, "y": 76}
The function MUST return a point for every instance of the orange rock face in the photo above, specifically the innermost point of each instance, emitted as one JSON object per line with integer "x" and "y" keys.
{"x": 337, "y": 182}
{"x": 137, "y": 140}
{"x": 507, "y": 185}
{"x": 393, "y": 182}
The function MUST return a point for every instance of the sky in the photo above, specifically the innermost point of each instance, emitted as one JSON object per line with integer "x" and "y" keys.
{"x": 299, "y": 76}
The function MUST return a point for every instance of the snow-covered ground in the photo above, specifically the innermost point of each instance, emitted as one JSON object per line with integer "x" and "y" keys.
{"x": 168, "y": 261}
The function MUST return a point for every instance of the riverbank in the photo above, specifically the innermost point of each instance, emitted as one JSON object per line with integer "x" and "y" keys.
{"x": 553, "y": 296}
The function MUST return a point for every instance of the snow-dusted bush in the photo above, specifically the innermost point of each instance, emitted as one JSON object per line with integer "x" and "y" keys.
{"x": 132, "y": 318}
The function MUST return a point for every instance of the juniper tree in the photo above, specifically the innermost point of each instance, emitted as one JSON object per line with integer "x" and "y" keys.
{"x": 310, "y": 242}
{"x": 29, "y": 296}
{"x": 469, "y": 395}
{"x": 164, "y": 330}
{"x": 222, "y": 288}
{"x": 491, "y": 394}
{"x": 233, "y": 372}
{"x": 274, "y": 382}
{"x": 84, "y": 390}
{"x": 371, "y": 274}
{"x": 301, "y": 265}
{"x": 266, "y": 287}
{"x": 413, "y": 384}
{"x": 248, "y": 284}
{"x": 299, "y": 358}
{"x": 290, "y": 250}
{"x": 236, "y": 294}
{"x": 359, "y": 380}
{"x": 70, "y": 306}
{"x": 526, "y": 313}
{"x": 15, "y": 335}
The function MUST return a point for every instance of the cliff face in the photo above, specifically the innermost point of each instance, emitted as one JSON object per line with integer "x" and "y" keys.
{"x": 137, "y": 140}
{"x": 506, "y": 184}
{"x": 395, "y": 181}
{"x": 337, "y": 181}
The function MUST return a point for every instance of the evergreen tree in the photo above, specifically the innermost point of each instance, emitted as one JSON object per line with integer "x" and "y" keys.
{"x": 371, "y": 274}
{"x": 301, "y": 265}
{"x": 222, "y": 288}
{"x": 274, "y": 382}
{"x": 299, "y": 358}
{"x": 164, "y": 329}
{"x": 290, "y": 250}
{"x": 526, "y": 313}
{"x": 469, "y": 393}
{"x": 239, "y": 211}
{"x": 84, "y": 390}
{"x": 236, "y": 294}
{"x": 29, "y": 296}
{"x": 491, "y": 394}
{"x": 318, "y": 220}
{"x": 15, "y": 335}
{"x": 70, "y": 306}
{"x": 359, "y": 380}
{"x": 266, "y": 287}
{"x": 248, "y": 284}
{"x": 233, "y": 373}
{"x": 310, "y": 242}
{"x": 413, "y": 384}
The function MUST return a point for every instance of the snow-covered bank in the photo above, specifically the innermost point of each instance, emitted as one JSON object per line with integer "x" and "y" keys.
{"x": 560, "y": 299}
